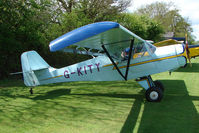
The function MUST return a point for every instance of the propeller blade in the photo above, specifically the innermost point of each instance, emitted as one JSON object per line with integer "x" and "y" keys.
{"x": 187, "y": 50}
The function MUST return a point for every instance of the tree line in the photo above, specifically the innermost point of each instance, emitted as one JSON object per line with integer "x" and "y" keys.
{"x": 31, "y": 24}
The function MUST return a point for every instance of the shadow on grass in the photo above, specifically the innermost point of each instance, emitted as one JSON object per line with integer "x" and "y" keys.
{"x": 88, "y": 86}
{"x": 112, "y": 95}
{"x": 189, "y": 69}
{"x": 18, "y": 86}
{"x": 52, "y": 94}
{"x": 175, "y": 113}
{"x": 132, "y": 117}
{"x": 98, "y": 83}
{"x": 131, "y": 120}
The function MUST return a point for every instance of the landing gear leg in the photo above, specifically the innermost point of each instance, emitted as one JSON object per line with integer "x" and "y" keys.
{"x": 154, "y": 90}
{"x": 31, "y": 91}
{"x": 159, "y": 85}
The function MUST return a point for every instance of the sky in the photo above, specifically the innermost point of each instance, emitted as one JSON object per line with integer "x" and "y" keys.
{"x": 188, "y": 9}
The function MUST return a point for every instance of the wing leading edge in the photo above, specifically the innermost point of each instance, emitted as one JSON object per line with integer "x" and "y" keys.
{"x": 81, "y": 34}
{"x": 93, "y": 36}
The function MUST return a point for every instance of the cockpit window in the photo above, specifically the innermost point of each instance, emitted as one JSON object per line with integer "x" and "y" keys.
{"x": 119, "y": 51}
{"x": 140, "y": 49}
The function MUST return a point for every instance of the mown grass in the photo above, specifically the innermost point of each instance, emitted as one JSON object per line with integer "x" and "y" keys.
{"x": 96, "y": 107}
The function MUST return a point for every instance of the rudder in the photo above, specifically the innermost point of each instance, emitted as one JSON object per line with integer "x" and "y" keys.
{"x": 31, "y": 61}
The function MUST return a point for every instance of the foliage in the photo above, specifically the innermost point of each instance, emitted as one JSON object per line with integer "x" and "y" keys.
{"x": 141, "y": 25}
{"x": 169, "y": 17}
{"x": 72, "y": 14}
{"x": 22, "y": 25}
{"x": 156, "y": 10}
{"x": 31, "y": 25}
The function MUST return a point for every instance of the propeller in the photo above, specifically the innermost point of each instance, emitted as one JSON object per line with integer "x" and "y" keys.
{"x": 187, "y": 50}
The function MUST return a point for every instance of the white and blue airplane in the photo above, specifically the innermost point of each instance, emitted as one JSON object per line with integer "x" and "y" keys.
{"x": 118, "y": 54}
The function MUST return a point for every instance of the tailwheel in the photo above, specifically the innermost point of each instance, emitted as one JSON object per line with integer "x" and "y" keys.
{"x": 31, "y": 91}
{"x": 154, "y": 94}
{"x": 159, "y": 85}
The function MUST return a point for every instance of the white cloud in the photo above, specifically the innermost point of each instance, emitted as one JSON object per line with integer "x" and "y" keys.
{"x": 188, "y": 9}
{"x": 196, "y": 31}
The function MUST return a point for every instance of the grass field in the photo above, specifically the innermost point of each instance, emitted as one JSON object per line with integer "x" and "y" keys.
{"x": 102, "y": 107}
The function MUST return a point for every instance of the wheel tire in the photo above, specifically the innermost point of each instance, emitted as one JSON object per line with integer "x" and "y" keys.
{"x": 154, "y": 94}
{"x": 159, "y": 85}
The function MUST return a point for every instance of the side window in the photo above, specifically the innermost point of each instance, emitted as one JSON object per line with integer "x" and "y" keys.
{"x": 139, "y": 50}
{"x": 119, "y": 51}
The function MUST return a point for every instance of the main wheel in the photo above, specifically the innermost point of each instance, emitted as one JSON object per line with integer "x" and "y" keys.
{"x": 159, "y": 85}
{"x": 154, "y": 94}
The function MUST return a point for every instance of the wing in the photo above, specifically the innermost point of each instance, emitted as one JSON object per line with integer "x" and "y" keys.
{"x": 111, "y": 34}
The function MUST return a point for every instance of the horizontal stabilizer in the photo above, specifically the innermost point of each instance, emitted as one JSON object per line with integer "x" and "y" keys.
{"x": 16, "y": 73}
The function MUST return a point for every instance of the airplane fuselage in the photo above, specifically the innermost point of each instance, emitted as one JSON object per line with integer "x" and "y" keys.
{"x": 165, "y": 58}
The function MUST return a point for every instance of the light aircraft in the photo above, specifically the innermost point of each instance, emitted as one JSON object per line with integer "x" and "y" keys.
{"x": 106, "y": 42}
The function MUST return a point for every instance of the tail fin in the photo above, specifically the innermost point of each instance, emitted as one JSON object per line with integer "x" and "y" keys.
{"x": 31, "y": 61}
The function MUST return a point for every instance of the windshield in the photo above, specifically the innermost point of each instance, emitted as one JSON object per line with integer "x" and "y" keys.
{"x": 140, "y": 48}
{"x": 151, "y": 47}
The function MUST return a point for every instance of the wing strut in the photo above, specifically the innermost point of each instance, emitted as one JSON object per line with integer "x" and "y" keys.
{"x": 129, "y": 58}
{"x": 128, "y": 63}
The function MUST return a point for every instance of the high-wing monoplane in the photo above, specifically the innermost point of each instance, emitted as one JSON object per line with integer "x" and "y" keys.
{"x": 118, "y": 54}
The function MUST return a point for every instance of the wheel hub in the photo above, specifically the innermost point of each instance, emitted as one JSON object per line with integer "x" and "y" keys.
{"x": 154, "y": 95}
